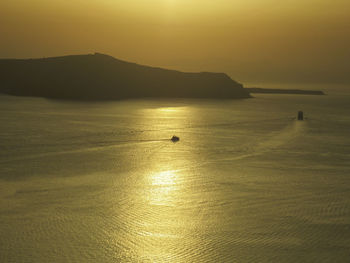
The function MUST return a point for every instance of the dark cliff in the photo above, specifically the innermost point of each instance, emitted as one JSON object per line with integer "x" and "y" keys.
{"x": 101, "y": 77}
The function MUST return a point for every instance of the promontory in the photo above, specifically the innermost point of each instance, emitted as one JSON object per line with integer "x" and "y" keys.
{"x": 102, "y": 77}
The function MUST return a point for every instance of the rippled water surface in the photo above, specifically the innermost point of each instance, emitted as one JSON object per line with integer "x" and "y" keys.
{"x": 102, "y": 182}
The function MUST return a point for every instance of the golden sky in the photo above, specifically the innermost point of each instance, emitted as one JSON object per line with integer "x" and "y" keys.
{"x": 251, "y": 40}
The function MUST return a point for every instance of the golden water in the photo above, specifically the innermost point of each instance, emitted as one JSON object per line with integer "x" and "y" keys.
{"x": 102, "y": 182}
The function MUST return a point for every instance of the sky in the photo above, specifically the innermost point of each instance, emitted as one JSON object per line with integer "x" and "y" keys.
{"x": 255, "y": 41}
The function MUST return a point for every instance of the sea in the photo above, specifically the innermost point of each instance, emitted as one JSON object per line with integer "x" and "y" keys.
{"x": 246, "y": 182}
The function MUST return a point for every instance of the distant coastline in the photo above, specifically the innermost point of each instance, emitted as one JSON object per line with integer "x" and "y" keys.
{"x": 102, "y": 77}
{"x": 285, "y": 91}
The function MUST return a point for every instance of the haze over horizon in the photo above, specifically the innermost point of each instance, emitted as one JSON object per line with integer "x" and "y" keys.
{"x": 252, "y": 41}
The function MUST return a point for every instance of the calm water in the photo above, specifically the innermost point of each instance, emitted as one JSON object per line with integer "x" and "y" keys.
{"x": 102, "y": 182}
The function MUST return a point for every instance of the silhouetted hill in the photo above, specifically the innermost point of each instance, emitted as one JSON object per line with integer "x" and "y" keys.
{"x": 285, "y": 91}
{"x": 100, "y": 77}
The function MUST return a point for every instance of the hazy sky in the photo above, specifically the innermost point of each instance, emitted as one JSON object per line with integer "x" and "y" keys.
{"x": 251, "y": 40}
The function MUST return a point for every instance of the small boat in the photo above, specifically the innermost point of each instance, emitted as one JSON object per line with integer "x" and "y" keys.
{"x": 300, "y": 116}
{"x": 175, "y": 139}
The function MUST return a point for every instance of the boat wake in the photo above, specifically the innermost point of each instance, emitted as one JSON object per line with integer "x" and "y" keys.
{"x": 272, "y": 142}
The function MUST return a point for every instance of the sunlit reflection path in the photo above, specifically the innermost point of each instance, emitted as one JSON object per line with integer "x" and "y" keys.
{"x": 164, "y": 188}
{"x": 158, "y": 218}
